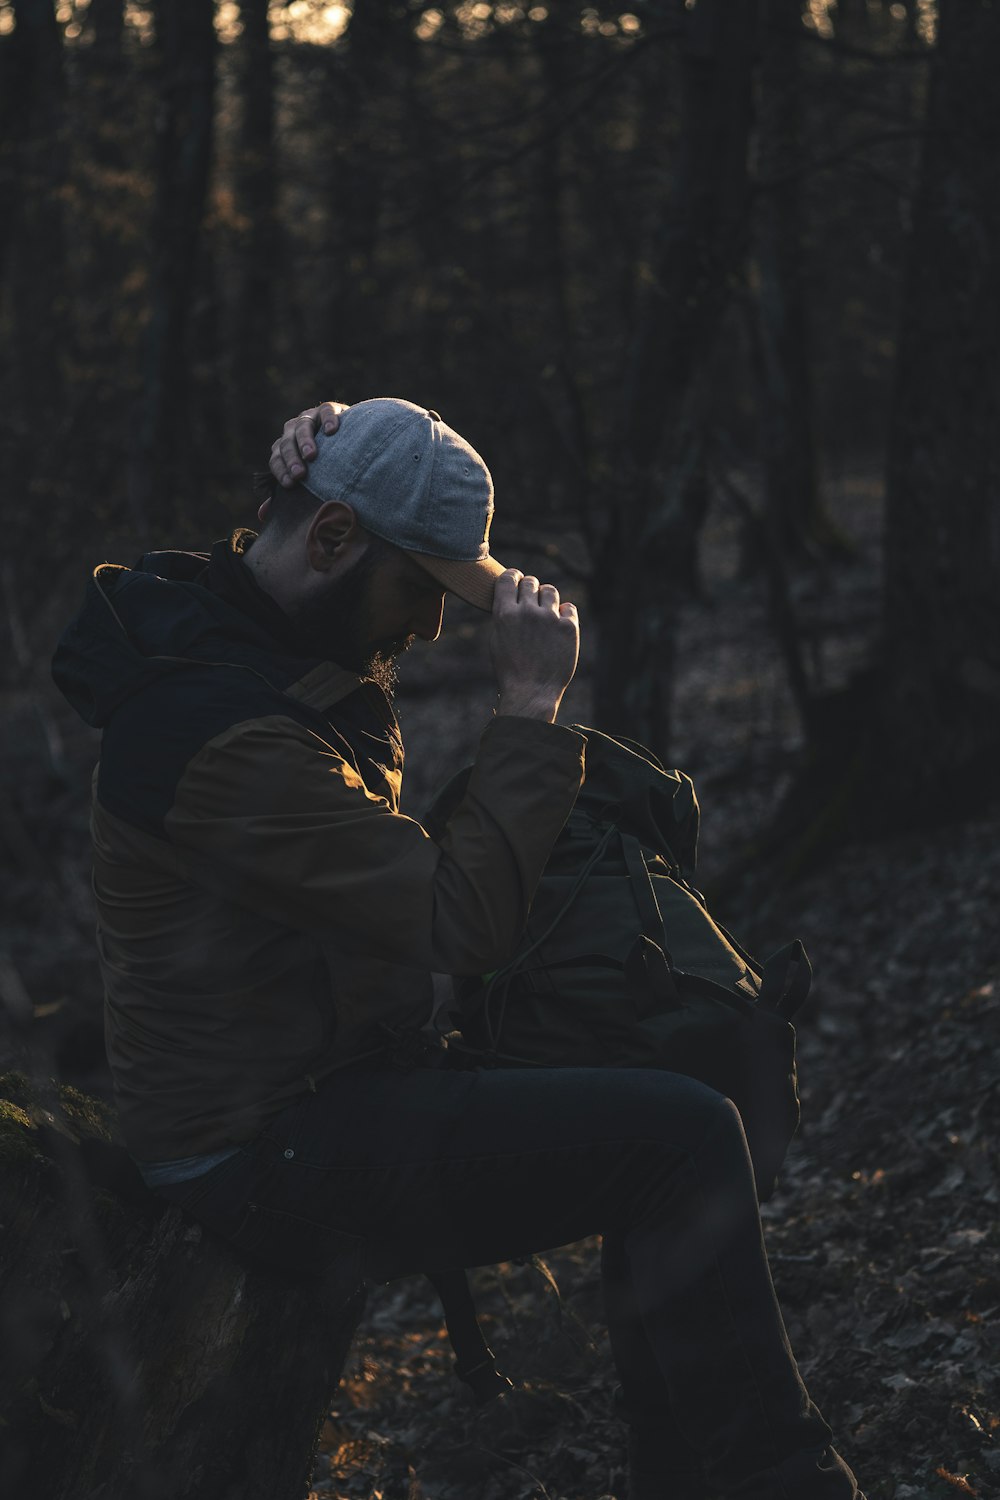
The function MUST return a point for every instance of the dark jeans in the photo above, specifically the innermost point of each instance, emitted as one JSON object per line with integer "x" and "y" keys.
{"x": 432, "y": 1169}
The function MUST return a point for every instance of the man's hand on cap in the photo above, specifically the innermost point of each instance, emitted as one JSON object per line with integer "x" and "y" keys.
{"x": 535, "y": 645}
{"x": 295, "y": 448}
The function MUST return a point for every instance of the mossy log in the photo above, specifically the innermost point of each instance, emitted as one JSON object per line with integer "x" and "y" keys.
{"x": 138, "y": 1357}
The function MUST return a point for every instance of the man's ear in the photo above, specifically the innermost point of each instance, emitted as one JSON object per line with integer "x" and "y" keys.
{"x": 333, "y": 533}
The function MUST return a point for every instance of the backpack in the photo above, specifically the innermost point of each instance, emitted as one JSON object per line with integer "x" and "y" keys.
{"x": 621, "y": 963}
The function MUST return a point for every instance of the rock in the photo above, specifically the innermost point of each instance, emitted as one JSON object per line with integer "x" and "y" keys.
{"x": 141, "y": 1359}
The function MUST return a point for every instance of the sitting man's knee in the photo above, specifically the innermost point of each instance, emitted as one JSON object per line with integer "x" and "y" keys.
{"x": 672, "y": 1102}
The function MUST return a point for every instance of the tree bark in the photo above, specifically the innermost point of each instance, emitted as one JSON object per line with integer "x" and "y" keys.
{"x": 798, "y": 523}
{"x": 259, "y": 243}
{"x": 185, "y": 33}
{"x": 361, "y": 90}
{"x": 140, "y": 1360}
{"x": 941, "y": 714}
{"x": 108, "y": 20}
{"x": 32, "y": 233}
{"x": 656, "y": 500}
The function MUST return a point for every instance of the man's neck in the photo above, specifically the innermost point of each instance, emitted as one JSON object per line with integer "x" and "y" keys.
{"x": 264, "y": 565}
{"x": 231, "y": 575}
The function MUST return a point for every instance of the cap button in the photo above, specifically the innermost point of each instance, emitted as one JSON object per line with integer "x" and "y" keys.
{"x": 434, "y": 416}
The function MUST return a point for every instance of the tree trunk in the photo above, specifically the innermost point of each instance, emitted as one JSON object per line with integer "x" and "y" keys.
{"x": 914, "y": 739}
{"x": 108, "y": 84}
{"x": 852, "y": 19}
{"x": 798, "y": 523}
{"x": 32, "y": 236}
{"x": 556, "y": 166}
{"x": 108, "y": 20}
{"x": 259, "y": 244}
{"x": 348, "y": 273}
{"x": 941, "y": 715}
{"x": 654, "y": 515}
{"x": 912, "y": 9}
{"x": 140, "y": 1360}
{"x": 185, "y": 32}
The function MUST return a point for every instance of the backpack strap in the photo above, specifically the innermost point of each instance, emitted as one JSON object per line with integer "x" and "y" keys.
{"x": 474, "y": 1360}
{"x": 786, "y": 980}
{"x": 649, "y": 967}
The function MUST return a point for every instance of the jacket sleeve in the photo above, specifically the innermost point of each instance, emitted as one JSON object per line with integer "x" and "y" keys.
{"x": 274, "y": 812}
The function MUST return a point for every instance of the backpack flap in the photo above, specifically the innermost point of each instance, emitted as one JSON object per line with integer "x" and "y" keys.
{"x": 626, "y": 783}
{"x": 786, "y": 980}
{"x": 697, "y": 943}
{"x": 687, "y": 819}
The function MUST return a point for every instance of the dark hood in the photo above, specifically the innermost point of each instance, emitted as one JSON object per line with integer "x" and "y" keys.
{"x": 171, "y": 610}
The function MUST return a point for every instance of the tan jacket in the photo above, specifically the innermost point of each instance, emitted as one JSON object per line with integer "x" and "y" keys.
{"x": 263, "y": 906}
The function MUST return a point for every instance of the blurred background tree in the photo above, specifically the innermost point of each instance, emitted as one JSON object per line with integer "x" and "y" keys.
{"x": 656, "y": 262}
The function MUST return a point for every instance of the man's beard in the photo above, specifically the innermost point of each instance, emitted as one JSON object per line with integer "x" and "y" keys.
{"x": 382, "y": 663}
{"x": 335, "y": 626}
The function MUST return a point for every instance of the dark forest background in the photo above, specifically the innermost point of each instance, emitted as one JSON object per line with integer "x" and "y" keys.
{"x": 654, "y": 263}
{"x": 715, "y": 288}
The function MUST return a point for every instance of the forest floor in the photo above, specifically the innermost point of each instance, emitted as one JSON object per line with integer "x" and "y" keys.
{"x": 884, "y": 1236}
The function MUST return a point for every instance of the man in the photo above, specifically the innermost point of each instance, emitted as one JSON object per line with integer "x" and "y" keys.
{"x": 268, "y": 922}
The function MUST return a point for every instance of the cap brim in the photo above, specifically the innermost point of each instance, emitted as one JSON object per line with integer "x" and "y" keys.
{"x": 472, "y": 581}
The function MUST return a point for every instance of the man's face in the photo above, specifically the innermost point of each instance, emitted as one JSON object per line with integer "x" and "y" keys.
{"x": 366, "y": 618}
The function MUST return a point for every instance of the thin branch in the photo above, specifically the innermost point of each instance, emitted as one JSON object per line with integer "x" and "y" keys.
{"x": 864, "y": 169}
{"x": 542, "y": 139}
{"x": 479, "y": 174}
{"x": 520, "y": 117}
{"x": 823, "y": 163}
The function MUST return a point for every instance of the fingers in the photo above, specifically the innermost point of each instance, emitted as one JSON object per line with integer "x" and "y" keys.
{"x": 535, "y": 644}
{"x": 297, "y": 446}
{"x": 514, "y": 587}
{"x": 505, "y": 590}
{"x": 329, "y": 415}
{"x": 545, "y": 595}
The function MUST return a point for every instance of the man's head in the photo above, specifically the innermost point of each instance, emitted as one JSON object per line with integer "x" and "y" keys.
{"x": 394, "y": 510}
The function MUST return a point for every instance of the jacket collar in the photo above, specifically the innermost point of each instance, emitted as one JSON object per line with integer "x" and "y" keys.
{"x": 142, "y": 622}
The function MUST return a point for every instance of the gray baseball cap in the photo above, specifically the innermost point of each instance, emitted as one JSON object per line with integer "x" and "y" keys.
{"x": 415, "y": 482}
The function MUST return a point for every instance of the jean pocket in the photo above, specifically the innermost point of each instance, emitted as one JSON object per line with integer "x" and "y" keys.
{"x": 289, "y": 1242}
{"x": 223, "y": 1180}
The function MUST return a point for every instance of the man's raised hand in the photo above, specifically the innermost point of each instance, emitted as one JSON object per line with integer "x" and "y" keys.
{"x": 534, "y": 646}
{"x": 295, "y": 448}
